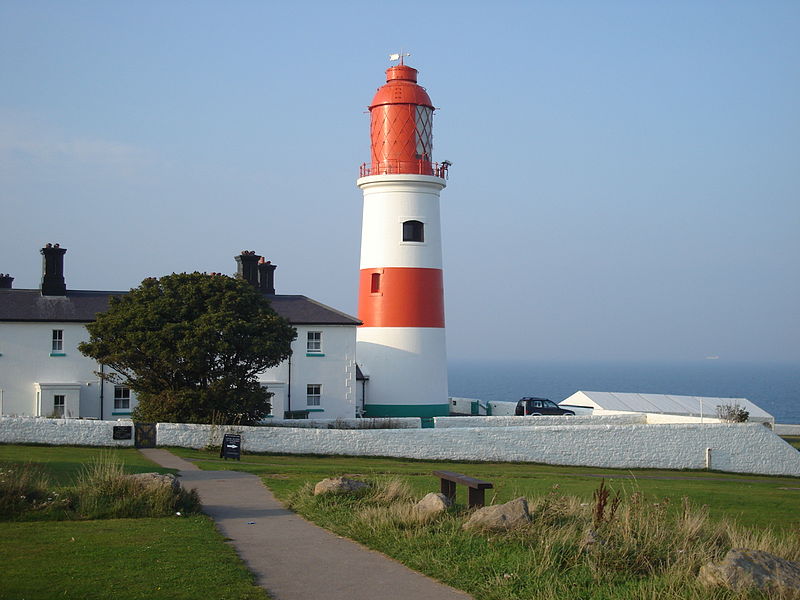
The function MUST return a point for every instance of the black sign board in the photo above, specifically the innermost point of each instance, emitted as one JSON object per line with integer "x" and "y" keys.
{"x": 231, "y": 446}
{"x": 122, "y": 432}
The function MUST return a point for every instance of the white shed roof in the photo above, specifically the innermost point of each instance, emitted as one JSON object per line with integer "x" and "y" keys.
{"x": 663, "y": 403}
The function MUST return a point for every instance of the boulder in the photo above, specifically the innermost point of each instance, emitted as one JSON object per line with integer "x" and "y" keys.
{"x": 156, "y": 480}
{"x": 433, "y": 503}
{"x": 743, "y": 569}
{"x": 338, "y": 485}
{"x": 500, "y": 517}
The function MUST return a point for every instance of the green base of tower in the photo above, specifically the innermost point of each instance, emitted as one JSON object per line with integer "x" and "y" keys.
{"x": 406, "y": 410}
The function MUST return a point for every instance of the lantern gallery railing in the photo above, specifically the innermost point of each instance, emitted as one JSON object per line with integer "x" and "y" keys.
{"x": 410, "y": 167}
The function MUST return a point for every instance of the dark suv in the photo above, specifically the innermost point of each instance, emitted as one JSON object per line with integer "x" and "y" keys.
{"x": 539, "y": 406}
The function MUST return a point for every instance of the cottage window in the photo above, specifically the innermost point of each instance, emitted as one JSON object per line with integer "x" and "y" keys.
{"x": 314, "y": 342}
{"x": 122, "y": 397}
{"x": 313, "y": 394}
{"x": 58, "y": 405}
{"x": 58, "y": 340}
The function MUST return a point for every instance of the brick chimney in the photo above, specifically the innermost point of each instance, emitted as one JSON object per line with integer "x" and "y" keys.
{"x": 266, "y": 277}
{"x": 247, "y": 267}
{"x": 5, "y": 281}
{"x": 53, "y": 270}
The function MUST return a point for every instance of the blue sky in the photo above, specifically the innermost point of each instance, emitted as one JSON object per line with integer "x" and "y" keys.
{"x": 626, "y": 176}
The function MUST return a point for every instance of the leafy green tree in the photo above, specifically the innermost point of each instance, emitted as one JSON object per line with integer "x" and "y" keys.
{"x": 191, "y": 345}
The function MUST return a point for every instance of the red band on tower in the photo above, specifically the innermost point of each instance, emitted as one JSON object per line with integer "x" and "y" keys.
{"x": 401, "y": 297}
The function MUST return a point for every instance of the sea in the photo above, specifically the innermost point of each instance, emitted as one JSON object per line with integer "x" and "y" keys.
{"x": 775, "y": 387}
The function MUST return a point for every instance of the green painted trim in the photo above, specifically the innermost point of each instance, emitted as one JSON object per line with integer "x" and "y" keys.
{"x": 314, "y": 354}
{"x": 314, "y": 409}
{"x": 58, "y": 354}
{"x": 269, "y": 416}
{"x": 407, "y": 410}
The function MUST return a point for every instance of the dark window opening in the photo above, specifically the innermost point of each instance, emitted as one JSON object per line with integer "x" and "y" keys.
{"x": 375, "y": 287}
{"x": 413, "y": 231}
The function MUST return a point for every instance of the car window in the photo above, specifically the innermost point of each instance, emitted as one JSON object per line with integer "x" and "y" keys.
{"x": 549, "y": 404}
{"x": 537, "y": 404}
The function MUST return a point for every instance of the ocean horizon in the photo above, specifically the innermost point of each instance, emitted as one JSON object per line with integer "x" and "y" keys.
{"x": 775, "y": 387}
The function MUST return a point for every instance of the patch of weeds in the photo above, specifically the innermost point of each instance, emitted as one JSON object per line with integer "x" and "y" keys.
{"x": 104, "y": 491}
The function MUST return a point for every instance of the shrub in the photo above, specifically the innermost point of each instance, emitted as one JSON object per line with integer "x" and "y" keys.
{"x": 732, "y": 413}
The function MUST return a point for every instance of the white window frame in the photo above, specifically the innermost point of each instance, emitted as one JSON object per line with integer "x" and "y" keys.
{"x": 59, "y": 408}
{"x": 57, "y": 341}
{"x": 313, "y": 394}
{"x": 122, "y": 397}
{"x": 314, "y": 342}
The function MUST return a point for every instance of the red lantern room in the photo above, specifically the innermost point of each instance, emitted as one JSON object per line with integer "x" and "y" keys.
{"x": 401, "y": 126}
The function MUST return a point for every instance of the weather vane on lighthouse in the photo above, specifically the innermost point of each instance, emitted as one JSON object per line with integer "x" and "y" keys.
{"x": 399, "y": 56}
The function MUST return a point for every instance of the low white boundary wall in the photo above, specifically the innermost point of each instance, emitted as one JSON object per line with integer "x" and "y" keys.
{"x": 501, "y": 421}
{"x": 740, "y": 448}
{"x": 785, "y": 429}
{"x": 61, "y": 432}
{"x": 368, "y": 423}
{"x": 744, "y": 448}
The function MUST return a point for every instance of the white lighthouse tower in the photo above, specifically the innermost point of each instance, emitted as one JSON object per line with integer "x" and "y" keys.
{"x": 401, "y": 343}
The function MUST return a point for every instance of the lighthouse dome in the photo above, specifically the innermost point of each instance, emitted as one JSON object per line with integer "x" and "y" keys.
{"x": 401, "y": 88}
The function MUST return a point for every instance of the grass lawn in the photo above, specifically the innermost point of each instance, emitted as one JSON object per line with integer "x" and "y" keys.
{"x": 762, "y": 501}
{"x": 171, "y": 557}
{"x": 64, "y": 463}
{"x": 121, "y": 559}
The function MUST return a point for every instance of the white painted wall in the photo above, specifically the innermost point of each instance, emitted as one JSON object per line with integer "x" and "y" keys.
{"x": 389, "y": 201}
{"x": 334, "y": 368}
{"x": 738, "y": 448}
{"x": 786, "y": 429}
{"x": 60, "y": 432}
{"x": 543, "y": 421}
{"x": 393, "y": 423}
{"x": 407, "y": 365}
{"x": 25, "y": 360}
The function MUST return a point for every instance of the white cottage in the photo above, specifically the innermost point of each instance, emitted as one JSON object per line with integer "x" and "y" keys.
{"x": 43, "y": 374}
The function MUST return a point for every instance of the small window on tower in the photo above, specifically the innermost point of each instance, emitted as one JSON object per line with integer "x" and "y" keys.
{"x": 413, "y": 231}
{"x": 376, "y": 283}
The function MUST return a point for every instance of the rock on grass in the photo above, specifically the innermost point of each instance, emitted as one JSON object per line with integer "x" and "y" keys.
{"x": 338, "y": 485}
{"x": 500, "y": 517}
{"x": 743, "y": 569}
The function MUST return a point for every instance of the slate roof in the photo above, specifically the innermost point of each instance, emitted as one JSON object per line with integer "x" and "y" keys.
{"x": 81, "y": 306}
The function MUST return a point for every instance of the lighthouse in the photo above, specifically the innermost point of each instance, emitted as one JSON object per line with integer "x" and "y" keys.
{"x": 401, "y": 344}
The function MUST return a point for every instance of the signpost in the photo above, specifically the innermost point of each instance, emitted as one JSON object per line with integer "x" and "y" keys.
{"x": 231, "y": 446}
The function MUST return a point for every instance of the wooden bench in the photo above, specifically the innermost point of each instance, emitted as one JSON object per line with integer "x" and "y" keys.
{"x": 476, "y": 486}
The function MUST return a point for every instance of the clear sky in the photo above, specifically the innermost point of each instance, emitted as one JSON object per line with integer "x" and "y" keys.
{"x": 625, "y": 180}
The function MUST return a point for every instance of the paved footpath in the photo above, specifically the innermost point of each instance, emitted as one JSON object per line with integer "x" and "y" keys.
{"x": 291, "y": 558}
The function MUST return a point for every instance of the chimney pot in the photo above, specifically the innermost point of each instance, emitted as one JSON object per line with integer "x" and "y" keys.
{"x": 247, "y": 267}
{"x": 53, "y": 283}
{"x": 266, "y": 277}
{"x": 5, "y": 281}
